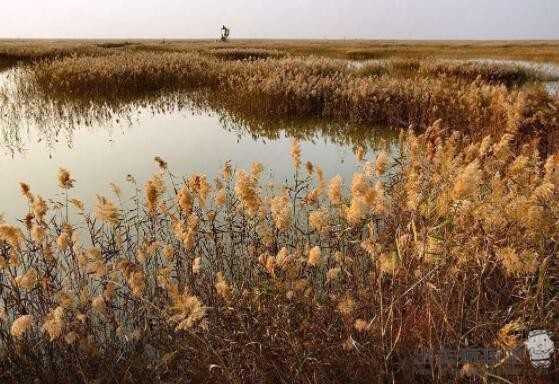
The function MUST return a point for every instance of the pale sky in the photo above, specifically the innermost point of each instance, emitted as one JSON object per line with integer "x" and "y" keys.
{"x": 365, "y": 19}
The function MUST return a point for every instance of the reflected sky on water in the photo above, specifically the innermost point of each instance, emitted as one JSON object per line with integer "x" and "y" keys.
{"x": 104, "y": 142}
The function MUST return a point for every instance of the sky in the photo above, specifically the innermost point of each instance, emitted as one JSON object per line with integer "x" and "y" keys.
{"x": 317, "y": 19}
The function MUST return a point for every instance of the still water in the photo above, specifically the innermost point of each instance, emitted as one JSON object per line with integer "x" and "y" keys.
{"x": 98, "y": 145}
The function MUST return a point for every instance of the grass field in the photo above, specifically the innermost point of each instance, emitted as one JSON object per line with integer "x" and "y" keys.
{"x": 473, "y": 97}
{"x": 540, "y": 51}
{"x": 448, "y": 240}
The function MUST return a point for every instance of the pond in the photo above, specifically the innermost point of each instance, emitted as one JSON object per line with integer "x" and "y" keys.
{"x": 105, "y": 143}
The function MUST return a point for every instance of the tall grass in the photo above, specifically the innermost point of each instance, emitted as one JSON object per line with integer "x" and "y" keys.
{"x": 510, "y": 74}
{"x": 540, "y": 51}
{"x": 445, "y": 242}
{"x": 28, "y": 51}
{"x": 122, "y": 74}
{"x": 494, "y": 73}
{"x": 246, "y": 54}
{"x": 310, "y": 87}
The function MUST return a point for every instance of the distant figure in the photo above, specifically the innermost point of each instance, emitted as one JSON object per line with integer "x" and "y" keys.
{"x": 225, "y": 33}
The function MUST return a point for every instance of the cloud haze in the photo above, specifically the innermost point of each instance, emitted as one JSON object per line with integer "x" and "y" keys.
{"x": 372, "y": 19}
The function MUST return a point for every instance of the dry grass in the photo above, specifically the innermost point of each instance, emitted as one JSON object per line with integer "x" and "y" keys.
{"x": 540, "y": 51}
{"x": 494, "y": 73}
{"x": 448, "y": 240}
{"x": 246, "y": 53}
{"x": 125, "y": 73}
{"x": 472, "y": 98}
{"x": 13, "y": 51}
{"x": 312, "y": 281}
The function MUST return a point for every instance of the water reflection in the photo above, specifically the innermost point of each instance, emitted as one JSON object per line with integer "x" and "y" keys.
{"x": 102, "y": 141}
{"x": 29, "y": 114}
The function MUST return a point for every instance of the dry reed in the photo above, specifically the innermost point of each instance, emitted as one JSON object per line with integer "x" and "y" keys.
{"x": 234, "y": 281}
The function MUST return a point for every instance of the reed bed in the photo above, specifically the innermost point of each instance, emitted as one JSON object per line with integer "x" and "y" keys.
{"x": 121, "y": 74}
{"x": 510, "y": 74}
{"x": 309, "y": 87}
{"x": 15, "y": 51}
{"x": 447, "y": 240}
{"x": 246, "y": 53}
{"x": 494, "y": 73}
{"x": 539, "y": 51}
{"x": 394, "y": 67}
{"x": 440, "y": 242}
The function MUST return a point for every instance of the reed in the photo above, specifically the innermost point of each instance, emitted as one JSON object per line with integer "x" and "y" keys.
{"x": 310, "y": 281}
{"x": 537, "y": 51}
{"x": 494, "y": 73}
{"x": 445, "y": 240}
{"x": 246, "y": 53}
{"x": 313, "y": 87}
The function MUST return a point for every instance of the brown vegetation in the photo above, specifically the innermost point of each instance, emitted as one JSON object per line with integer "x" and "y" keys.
{"x": 318, "y": 87}
{"x": 447, "y": 240}
{"x": 315, "y": 280}
{"x": 540, "y": 51}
